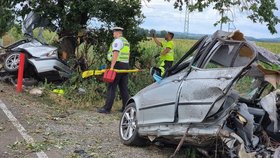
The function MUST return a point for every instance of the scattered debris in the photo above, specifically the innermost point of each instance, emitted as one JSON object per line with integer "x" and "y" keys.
{"x": 79, "y": 151}
{"x": 269, "y": 105}
{"x": 81, "y": 91}
{"x": 36, "y": 91}
{"x": 58, "y": 91}
{"x": 277, "y": 153}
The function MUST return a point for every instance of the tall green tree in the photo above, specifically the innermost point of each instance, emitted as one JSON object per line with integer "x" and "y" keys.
{"x": 71, "y": 16}
{"x": 7, "y": 18}
{"x": 261, "y": 11}
{"x": 163, "y": 33}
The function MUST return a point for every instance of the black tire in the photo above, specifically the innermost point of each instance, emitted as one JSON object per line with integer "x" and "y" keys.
{"x": 128, "y": 127}
{"x": 11, "y": 62}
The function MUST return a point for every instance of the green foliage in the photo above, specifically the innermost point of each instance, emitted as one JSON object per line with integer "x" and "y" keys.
{"x": 261, "y": 11}
{"x": 15, "y": 32}
{"x": 163, "y": 33}
{"x": 270, "y": 66}
{"x": 48, "y": 35}
{"x": 73, "y": 16}
{"x": 7, "y": 17}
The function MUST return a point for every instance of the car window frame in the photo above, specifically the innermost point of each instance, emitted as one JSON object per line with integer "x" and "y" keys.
{"x": 197, "y": 46}
{"x": 239, "y": 44}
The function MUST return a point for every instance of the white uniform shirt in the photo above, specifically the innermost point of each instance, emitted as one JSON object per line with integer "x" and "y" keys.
{"x": 117, "y": 45}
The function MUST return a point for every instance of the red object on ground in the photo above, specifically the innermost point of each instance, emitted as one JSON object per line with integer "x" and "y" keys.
{"x": 109, "y": 76}
{"x": 20, "y": 72}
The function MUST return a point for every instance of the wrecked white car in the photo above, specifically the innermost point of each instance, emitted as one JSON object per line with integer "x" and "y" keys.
{"x": 220, "y": 97}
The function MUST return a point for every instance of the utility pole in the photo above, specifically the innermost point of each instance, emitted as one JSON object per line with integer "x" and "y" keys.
{"x": 221, "y": 26}
{"x": 187, "y": 21}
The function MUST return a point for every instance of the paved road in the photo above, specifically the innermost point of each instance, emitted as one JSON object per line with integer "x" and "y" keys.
{"x": 12, "y": 133}
{"x": 61, "y": 131}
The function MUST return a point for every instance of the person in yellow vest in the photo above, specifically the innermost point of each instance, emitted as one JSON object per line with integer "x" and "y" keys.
{"x": 166, "y": 56}
{"x": 118, "y": 55}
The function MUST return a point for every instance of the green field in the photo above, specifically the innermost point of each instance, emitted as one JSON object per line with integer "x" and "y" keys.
{"x": 182, "y": 45}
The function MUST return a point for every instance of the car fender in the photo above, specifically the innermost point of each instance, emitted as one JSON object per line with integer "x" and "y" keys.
{"x": 135, "y": 99}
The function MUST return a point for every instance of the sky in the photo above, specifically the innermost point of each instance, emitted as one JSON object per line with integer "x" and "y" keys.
{"x": 161, "y": 15}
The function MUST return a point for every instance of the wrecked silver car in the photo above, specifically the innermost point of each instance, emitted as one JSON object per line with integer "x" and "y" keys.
{"x": 220, "y": 97}
{"x": 42, "y": 60}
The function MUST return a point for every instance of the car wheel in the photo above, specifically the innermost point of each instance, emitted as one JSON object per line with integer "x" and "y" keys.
{"x": 128, "y": 128}
{"x": 11, "y": 62}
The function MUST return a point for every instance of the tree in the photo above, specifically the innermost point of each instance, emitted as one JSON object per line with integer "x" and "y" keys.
{"x": 153, "y": 31}
{"x": 7, "y": 18}
{"x": 72, "y": 16}
{"x": 261, "y": 11}
{"x": 163, "y": 33}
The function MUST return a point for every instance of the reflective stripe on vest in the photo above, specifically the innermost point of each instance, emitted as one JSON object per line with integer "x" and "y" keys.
{"x": 123, "y": 54}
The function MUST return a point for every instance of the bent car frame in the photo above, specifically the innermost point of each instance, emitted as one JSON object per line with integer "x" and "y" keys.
{"x": 201, "y": 100}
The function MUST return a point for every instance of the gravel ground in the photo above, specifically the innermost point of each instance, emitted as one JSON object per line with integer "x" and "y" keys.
{"x": 61, "y": 131}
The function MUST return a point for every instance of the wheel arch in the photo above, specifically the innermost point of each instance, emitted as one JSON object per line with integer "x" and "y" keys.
{"x": 134, "y": 99}
{"x": 131, "y": 100}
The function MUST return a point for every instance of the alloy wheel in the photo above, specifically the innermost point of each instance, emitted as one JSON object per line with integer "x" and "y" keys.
{"x": 128, "y": 123}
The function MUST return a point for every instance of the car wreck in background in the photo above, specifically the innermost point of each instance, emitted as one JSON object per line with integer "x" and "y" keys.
{"x": 220, "y": 97}
{"x": 42, "y": 60}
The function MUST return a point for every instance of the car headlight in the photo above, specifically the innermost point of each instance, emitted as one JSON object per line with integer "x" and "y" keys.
{"x": 52, "y": 53}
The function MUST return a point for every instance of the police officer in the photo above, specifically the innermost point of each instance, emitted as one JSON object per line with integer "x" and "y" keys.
{"x": 118, "y": 55}
{"x": 167, "y": 53}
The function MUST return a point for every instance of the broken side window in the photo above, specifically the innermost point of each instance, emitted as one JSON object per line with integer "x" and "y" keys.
{"x": 228, "y": 54}
{"x": 243, "y": 56}
{"x": 247, "y": 86}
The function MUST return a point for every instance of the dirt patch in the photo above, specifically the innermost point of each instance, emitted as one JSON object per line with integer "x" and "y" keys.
{"x": 61, "y": 131}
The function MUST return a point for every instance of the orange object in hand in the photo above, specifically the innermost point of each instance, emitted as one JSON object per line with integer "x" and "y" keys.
{"x": 109, "y": 76}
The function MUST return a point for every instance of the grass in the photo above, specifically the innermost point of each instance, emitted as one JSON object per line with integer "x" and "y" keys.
{"x": 150, "y": 49}
{"x": 273, "y": 47}
{"x": 182, "y": 45}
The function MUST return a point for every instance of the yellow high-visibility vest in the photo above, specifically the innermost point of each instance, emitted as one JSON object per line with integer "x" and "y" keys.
{"x": 170, "y": 55}
{"x": 123, "y": 54}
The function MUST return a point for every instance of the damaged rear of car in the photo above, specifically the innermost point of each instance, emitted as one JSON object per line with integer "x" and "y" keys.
{"x": 200, "y": 100}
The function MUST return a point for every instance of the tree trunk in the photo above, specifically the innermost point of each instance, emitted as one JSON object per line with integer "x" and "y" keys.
{"x": 67, "y": 47}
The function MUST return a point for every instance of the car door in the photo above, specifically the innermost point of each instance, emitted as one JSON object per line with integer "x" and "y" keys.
{"x": 158, "y": 101}
{"x": 204, "y": 88}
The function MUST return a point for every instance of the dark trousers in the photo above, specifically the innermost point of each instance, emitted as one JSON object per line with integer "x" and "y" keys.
{"x": 164, "y": 66}
{"x": 167, "y": 64}
{"x": 121, "y": 80}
